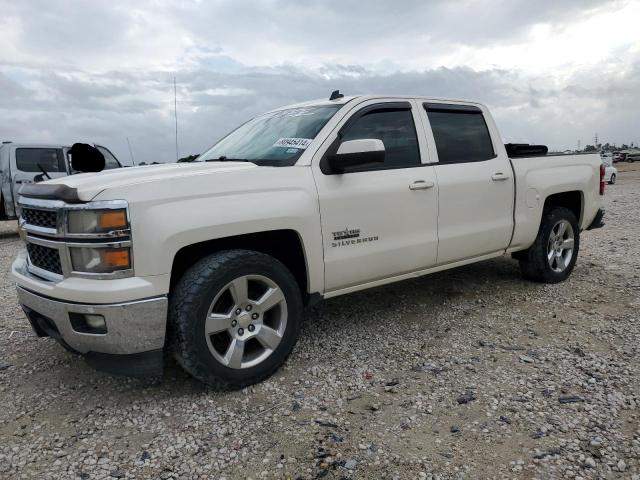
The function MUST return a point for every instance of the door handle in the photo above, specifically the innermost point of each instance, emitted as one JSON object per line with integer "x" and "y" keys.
{"x": 421, "y": 185}
{"x": 499, "y": 177}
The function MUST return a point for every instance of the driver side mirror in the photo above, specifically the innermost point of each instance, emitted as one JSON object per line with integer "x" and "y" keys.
{"x": 357, "y": 153}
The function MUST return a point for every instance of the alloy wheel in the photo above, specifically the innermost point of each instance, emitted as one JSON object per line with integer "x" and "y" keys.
{"x": 560, "y": 246}
{"x": 246, "y": 321}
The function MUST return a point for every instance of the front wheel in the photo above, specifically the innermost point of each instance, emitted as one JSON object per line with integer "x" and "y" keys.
{"x": 234, "y": 318}
{"x": 553, "y": 255}
{"x": 612, "y": 180}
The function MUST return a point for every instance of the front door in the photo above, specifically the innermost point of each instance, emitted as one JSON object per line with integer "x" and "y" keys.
{"x": 378, "y": 222}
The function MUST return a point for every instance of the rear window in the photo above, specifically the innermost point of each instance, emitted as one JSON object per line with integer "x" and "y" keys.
{"x": 460, "y": 135}
{"x": 32, "y": 159}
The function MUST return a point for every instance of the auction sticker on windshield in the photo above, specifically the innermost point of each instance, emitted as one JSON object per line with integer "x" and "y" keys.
{"x": 300, "y": 143}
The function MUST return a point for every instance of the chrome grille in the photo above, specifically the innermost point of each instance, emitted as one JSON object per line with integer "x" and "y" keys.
{"x": 45, "y": 258}
{"x": 40, "y": 218}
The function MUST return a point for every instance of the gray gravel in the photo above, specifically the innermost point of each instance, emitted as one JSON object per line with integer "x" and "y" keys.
{"x": 471, "y": 373}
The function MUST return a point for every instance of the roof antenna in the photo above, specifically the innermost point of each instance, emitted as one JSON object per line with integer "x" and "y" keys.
{"x": 175, "y": 113}
{"x": 335, "y": 95}
{"x": 131, "y": 152}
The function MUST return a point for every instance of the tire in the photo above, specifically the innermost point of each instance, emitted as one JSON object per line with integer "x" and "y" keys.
{"x": 249, "y": 339}
{"x": 535, "y": 262}
{"x": 3, "y": 213}
{"x": 612, "y": 180}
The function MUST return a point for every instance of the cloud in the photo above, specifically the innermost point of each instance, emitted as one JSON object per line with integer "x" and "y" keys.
{"x": 103, "y": 71}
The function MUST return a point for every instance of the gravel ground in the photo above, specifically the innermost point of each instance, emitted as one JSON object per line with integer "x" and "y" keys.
{"x": 470, "y": 373}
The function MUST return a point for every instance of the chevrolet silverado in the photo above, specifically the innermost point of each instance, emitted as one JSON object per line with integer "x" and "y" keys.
{"x": 215, "y": 260}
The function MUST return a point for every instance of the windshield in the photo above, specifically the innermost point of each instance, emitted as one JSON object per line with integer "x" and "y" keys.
{"x": 276, "y": 138}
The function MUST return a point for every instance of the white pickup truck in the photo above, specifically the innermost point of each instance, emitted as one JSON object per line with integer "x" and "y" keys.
{"x": 215, "y": 260}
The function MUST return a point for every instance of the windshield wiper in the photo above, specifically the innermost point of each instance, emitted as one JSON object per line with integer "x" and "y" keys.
{"x": 44, "y": 172}
{"x": 224, "y": 158}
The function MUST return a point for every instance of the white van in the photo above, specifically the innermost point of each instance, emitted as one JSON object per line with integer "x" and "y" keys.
{"x": 32, "y": 163}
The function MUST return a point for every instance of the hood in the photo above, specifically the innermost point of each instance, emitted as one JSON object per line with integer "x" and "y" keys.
{"x": 89, "y": 185}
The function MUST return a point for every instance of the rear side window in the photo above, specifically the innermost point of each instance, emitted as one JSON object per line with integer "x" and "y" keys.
{"x": 461, "y": 135}
{"x": 31, "y": 159}
{"x": 397, "y": 131}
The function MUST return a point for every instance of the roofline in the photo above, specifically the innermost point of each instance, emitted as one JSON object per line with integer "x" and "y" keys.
{"x": 362, "y": 98}
{"x": 35, "y": 145}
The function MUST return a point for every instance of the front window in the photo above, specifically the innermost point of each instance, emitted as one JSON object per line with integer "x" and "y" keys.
{"x": 397, "y": 131}
{"x": 277, "y": 138}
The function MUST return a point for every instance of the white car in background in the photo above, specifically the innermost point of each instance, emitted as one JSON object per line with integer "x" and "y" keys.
{"x": 610, "y": 172}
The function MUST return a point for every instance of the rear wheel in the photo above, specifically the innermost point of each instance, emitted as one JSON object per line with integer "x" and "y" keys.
{"x": 553, "y": 255}
{"x": 235, "y": 317}
{"x": 612, "y": 180}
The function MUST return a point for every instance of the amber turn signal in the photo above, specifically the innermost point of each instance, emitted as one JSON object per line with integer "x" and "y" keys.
{"x": 112, "y": 220}
{"x": 116, "y": 258}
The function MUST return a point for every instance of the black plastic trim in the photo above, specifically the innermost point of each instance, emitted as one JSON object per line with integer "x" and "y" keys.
{"x": 451, "y": 108}
{"x": 598, "y": 222}
{"x": 44, "y": 327}
{"x": 50, "y": 192}
{"x": 516, "y": 150}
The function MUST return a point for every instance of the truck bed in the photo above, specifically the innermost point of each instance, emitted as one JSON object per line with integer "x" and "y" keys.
{"x": 539, "y": 176}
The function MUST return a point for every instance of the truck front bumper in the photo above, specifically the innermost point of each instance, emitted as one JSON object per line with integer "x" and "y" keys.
{"x": 130, "y": 343}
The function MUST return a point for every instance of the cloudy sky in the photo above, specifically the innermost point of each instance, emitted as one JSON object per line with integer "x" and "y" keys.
{"x": 552, "y": 71}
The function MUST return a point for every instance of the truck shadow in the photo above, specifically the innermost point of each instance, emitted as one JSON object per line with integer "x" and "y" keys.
{"x": 8, "y": 228}
{"x": 429, "y": 293}
{"x": 8, "y": 234}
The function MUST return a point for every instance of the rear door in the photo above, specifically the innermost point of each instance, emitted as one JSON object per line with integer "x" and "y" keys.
{"x": 380, "y": 221}
{"x": 475, "y": 181}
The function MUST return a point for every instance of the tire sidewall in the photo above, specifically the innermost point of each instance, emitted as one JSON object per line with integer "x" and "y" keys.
{"x": 192, "y": 320}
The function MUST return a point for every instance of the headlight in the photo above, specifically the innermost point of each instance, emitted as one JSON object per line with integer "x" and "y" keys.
{"x": 100, "y": 260}
{"x": 97, "y": 221}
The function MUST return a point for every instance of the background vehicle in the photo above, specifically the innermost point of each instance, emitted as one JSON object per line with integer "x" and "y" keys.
{"x": 27, "y": 163}
{"x": 608, "y": 156}
{"x": 610, "y": 172}
{"x": 302, "y": 203}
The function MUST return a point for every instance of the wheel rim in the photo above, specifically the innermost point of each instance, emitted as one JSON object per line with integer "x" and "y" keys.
{"x": 246, "y": 321}
{"x": 613, "y": 178}
{"x": 560, "y": 247}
